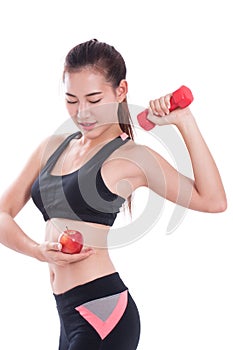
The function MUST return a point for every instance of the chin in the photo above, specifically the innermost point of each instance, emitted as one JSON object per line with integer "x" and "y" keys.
{"x": 97, "y": 131}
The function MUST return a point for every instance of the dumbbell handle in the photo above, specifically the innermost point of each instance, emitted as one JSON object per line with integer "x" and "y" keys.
{"x": 180, "y": 98}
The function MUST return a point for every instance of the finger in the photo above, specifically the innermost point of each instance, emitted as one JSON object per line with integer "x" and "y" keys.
{"x": 167, "y": 99}
{"x": 56, "y": 246}
{"x": 159, "y": 105}
{"x": 84, "y": 253}
{"x": 165, "y": 104}
{"x": 152, "y": 107}
{"x": 73, "y": 258}
{"x": 87, "y": 250}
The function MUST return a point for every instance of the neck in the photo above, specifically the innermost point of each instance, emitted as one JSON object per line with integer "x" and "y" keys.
{"x": 104, "y": 137}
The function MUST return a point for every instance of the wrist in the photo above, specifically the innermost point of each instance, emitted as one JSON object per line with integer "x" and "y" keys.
{"x": 185, "y": 122}
{"x": 36, "y": 252}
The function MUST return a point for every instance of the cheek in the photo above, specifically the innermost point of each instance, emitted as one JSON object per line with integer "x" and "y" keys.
{"x": 106, "y": 112}
{"x": 72, "y": 109}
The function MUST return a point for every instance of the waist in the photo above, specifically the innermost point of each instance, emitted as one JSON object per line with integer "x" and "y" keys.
{"x": 98, "y": 288}
{"x": 94, "y": 235}
{"x": 66, "y": 277}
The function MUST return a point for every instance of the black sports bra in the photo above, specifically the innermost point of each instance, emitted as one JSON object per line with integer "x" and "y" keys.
{"x": 81, "y": 195}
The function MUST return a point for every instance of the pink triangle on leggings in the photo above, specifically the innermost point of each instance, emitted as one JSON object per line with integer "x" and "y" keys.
{"x": 105, "y": 327}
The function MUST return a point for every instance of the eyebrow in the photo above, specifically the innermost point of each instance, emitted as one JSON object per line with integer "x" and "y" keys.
{"x": 90, "y": 94}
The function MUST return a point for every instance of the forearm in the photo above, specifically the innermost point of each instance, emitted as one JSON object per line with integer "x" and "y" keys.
{"x": 207, "y": 180}
{"x": 13, "y": 237}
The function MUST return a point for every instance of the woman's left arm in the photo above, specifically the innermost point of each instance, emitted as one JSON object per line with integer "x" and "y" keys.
{"x": 204, "y": 193}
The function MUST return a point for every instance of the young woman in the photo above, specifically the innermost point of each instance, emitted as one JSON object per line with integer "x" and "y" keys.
{"x": 80, "y": 181}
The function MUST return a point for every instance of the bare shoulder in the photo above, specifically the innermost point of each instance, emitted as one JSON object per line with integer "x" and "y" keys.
{"x": 134, "y": 159}
{"x": 131, "y": 158}
{"x": 49, "y": 145}
{"x": 19, "y": 192}
{"x": 126, "y": 168}
{"x": 135, "y": 151}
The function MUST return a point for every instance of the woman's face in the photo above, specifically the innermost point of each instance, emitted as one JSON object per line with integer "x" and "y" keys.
{"x": 92, "y": 102}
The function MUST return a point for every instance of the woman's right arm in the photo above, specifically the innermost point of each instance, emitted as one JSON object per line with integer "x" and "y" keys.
{"x": 13, "y": 237}
{"x": 15, "y": 198}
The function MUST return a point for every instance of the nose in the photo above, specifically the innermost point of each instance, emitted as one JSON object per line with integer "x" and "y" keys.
{"x": 82, "y": 105}
{"x": 83, "y": 112}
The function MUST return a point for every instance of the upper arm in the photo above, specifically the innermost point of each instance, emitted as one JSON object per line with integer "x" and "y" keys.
{"x": 19, "y": 192}
{"x": 161, "y": 177}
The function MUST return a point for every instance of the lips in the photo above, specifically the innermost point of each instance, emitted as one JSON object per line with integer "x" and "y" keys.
{"x": 87, "y": 126}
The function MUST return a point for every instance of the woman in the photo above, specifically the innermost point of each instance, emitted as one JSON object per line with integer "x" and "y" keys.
{"x": 81, "y": 182}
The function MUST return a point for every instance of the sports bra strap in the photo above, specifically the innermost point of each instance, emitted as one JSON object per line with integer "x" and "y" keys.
{"x": 54, "y": 157}
{"x": 105, "y": 151}
{"x": 98, "y": 158}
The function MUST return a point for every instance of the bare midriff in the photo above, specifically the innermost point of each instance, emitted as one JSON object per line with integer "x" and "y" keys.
{"x": 96, "y": 265}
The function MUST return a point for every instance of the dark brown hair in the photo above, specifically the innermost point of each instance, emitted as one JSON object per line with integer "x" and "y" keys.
{"x": 108, "y": 61}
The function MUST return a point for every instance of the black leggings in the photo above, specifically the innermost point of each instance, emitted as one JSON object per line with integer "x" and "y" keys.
{"x": 98, "y": 315}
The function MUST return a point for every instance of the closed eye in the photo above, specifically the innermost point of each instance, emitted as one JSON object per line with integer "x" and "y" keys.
{"x": 95, "y": 101}
{"x": 71, "y": 102}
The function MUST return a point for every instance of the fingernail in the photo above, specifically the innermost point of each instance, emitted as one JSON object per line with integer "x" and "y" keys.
{"x": 59, "y": 246}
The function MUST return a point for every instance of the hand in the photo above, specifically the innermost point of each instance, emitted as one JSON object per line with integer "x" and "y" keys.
{"x": 50, "y": 252}
{"x": 160, "y": 114}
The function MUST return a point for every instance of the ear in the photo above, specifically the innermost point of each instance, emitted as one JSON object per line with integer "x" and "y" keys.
{"x": 122, "y": 90}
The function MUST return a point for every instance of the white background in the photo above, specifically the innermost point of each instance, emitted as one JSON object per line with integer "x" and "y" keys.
{"x": 182, "y": 282}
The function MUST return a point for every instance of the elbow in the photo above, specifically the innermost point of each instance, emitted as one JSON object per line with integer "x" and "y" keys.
{"x": 222, "y": 207}
{"x": 217, "y": 206}
{"x": 4, "y": 213}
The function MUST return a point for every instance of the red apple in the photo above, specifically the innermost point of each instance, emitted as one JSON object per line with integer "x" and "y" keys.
{"x": 71, "y": 241}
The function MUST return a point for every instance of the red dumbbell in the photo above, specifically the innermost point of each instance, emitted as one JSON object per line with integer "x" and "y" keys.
{"x": 180, "y": 98}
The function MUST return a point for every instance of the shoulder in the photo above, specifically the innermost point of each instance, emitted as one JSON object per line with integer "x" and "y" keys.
{"x": 136, "y": 159}
{"x": 49, "y": 145}
{"x": 130, "y": 157}
{"x": 129, "y": 163}
{"x": 135, "y": 151}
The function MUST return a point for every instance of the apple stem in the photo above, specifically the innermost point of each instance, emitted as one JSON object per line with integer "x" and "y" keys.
{"x": 67, "y": 228}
